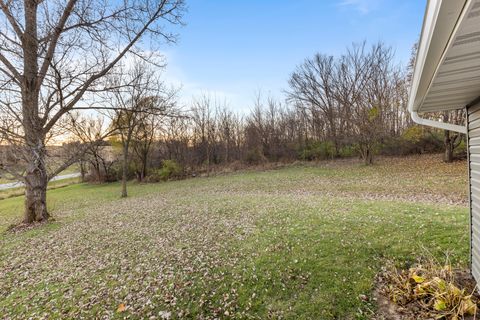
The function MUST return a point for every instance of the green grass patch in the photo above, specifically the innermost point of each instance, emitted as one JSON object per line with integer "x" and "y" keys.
{"x": 303, "y": 242}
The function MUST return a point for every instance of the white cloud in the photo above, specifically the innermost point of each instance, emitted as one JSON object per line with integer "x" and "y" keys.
{"x": 362, "y": 6}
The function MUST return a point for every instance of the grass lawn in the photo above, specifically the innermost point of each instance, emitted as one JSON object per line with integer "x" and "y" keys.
{"x": 302, "y": 242}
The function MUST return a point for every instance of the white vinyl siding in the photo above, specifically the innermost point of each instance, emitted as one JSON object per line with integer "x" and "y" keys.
{"x": 474, "y": 172}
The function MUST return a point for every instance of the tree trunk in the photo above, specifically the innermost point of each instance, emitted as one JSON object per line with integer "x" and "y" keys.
{"x": 83, "y": 170}
{"x": 36, "y": 178}
{"x": 448, "y": 142}
{"x": 367, "y": 155}
{"x": 227, "y": 149}
{"x": 36, "y": 197}
{"x": 369, "y": 158}
{"x": 337, "y": 149}
{"x": 208, "y": 159}
{"x": 448, "y": 156}
{"x": 144, "y": 167}
{"x": 36, "y": 181}
{"x": 125, "y": 171}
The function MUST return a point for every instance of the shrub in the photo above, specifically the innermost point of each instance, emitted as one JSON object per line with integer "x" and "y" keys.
{"x": 170, "y": 170}
{"x": 461, "y": 150}
{"x": 317, "y": 150}
{"x": 347, "y": 151}
{"x": 414, "y": 134}
{"x": 153, "y": 176}
{"x": 255, "y": 156}
{"x": 415, "y": 140}
{"x": 115, "y": 172}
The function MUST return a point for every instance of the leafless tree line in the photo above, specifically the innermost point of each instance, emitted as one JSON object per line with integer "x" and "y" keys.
{"x": 342, "y": 106}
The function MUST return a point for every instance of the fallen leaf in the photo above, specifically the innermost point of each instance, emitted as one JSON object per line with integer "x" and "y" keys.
{"x": 121, "y": 307}
{"x": 418, "y": 279}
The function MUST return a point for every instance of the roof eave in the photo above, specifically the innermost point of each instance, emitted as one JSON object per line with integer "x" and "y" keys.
{"x": 434, "y": 42}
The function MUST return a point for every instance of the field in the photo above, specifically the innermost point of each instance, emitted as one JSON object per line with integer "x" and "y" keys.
{"x": 301, "y": 242}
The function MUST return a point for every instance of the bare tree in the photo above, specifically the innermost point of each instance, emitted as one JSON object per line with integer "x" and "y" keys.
{"x": 313, "y": 86}
{"x": 54, "y": 56}
{"x": 176, "y": 135}
{"x": 204, "y": 128}
{"x": 358, "y": 98}
{"x": 137, "y": 94}
{"x": 229, "y": 134}
{"x": 371, "y": 89}
{"x": 143, "y": 139}
{"x": 90, "y": 134}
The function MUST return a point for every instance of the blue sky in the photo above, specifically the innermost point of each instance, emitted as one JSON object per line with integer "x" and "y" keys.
{"x": 231, "y": 49}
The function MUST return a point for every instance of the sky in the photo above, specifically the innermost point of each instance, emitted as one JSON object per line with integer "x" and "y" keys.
{"x": 233, "y": 49}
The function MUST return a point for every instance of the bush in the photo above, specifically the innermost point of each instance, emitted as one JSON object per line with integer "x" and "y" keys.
{"x": 170, "y": 170}
{"x": 255, "y": 156}
{"x": 317, "y": 150}
{"x": 115, "y": 172}
{"x": 348, "y": 151}
{"x": 414, "y": 134}
{"x": 415, "y": 140}
{"x": 461, "y": 150}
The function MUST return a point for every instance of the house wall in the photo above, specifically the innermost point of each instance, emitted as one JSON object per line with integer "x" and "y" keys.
{"x": 473, "y": 129}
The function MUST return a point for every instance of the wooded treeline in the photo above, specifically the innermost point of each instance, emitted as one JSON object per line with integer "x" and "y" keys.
{"x": 354, "y": 105}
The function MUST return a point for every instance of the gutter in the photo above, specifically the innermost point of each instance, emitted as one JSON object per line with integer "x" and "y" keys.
{"x": 437, "y": 124}
{"x": 431, "y": 16}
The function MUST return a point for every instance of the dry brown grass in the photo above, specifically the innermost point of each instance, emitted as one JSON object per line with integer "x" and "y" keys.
{"x": 430, "y": 290}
